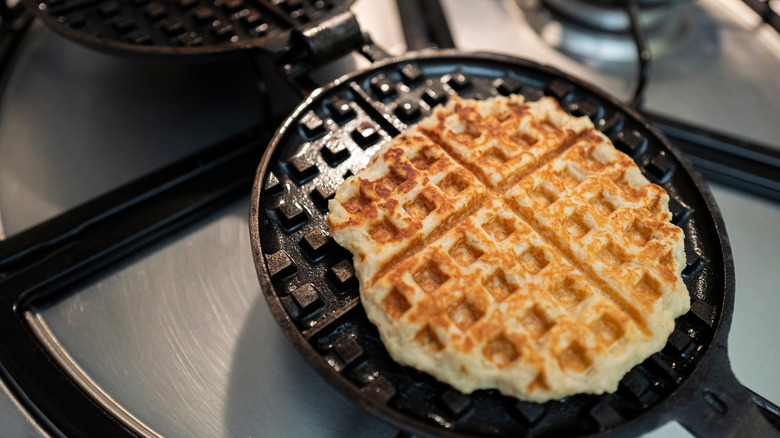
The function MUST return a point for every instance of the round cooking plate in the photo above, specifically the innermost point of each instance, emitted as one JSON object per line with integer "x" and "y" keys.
{"x": 182, "y": 27}
{"x": 312, "y": 291}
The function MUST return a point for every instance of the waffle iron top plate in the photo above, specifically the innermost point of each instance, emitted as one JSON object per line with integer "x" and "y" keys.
{"x": 183, "y": 29}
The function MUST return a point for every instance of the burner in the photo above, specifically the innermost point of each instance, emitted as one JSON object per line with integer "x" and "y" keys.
{"x": 601, "y": 29}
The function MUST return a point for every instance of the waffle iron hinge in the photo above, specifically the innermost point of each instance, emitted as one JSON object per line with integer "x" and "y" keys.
{"x": 327, "y": 41}
{"x": 312, "y": 45}
{"x": 283, "y": 65}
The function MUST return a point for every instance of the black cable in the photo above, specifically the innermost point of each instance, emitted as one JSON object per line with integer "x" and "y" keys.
{"x": 643, "y": 53}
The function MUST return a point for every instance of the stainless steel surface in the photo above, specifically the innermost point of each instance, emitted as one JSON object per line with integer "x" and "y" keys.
{"x": 76, "y": 123}
{"x": 14, "y": 421}
{"x": 583, "y": 29}
{"x": 179, "y": 336}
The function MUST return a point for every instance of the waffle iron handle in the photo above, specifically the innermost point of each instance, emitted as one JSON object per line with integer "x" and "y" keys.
{"x": 719, "y": 406}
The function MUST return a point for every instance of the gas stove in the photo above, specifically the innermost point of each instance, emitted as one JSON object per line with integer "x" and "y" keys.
{"x": 175, "y": 337}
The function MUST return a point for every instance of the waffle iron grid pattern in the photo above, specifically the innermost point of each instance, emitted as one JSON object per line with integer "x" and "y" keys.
{"x": 312, "y": 278}
{"x": 184, "y": 23}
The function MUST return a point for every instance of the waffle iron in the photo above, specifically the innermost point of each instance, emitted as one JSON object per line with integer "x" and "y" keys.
{"x": 312, "y": 291}
{"x": 309, "y": 281}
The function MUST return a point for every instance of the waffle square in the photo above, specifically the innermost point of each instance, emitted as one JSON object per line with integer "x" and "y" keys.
{"x": 505, "y": 244}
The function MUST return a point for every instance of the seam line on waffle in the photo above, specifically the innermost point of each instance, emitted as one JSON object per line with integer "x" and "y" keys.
{"x": 589, "y": 274}
{"x": 435, "y": 234}
{"x": 607, "y": 291}
{"x": 446, "y": 148}
{"x": 543, "y": 160}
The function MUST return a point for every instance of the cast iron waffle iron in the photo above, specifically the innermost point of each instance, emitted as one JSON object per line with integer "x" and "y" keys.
{"x": 312, "y": 291}
{"x": 183, "y": 29}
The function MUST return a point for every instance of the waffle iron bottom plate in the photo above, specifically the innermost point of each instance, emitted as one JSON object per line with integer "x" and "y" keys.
{"x": 309, "y": 280}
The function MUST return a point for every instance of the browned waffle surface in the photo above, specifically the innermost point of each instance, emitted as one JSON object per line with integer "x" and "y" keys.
{"x": 504, "y": 244}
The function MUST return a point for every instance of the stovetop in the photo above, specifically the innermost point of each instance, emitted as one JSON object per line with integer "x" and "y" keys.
{"x": 178, "y": 336}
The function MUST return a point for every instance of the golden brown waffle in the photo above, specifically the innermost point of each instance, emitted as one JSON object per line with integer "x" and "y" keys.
{"x": 503, "y": 244}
